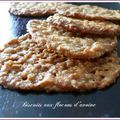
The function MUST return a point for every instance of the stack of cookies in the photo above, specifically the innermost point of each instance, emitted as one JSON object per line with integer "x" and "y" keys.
{"x": 73, "y": 50}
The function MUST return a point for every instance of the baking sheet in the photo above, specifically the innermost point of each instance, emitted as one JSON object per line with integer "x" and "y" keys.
{"x": 106, "y": 103}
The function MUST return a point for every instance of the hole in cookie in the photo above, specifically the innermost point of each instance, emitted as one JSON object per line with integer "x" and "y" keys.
{"x": 24, "y": 77}
{"x": 106, "y": 69}
{"x": 110, "y": 60}
{"x": 54, "y": 74}
{"x": 102, "y": 76}
{"x": 93, "y": 72}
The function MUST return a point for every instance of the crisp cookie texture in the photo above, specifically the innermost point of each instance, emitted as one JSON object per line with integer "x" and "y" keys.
{"x": 90, "y": 12}
{"x": 27, "y": 65}
{"x": 83, "y": 27}
{"x": 34, "y": 8}
{"x": 68, "y": 45}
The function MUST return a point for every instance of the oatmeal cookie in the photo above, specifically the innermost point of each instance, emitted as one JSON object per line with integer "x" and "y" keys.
{"x": 69, "y": 45}
{"x": 27, "y": 65}
{"x": 84, "y": 27}
{"x": 35, "y": 8}
{"x": 90, "y": 12}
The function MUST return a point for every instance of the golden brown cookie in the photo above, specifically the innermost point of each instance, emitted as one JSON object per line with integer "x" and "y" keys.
{"x": 84, "y": 27}
{"x": 27, "y": 65}
{"x": 90, "y": 12}
{"x": 34, "y": 8}
{"x": 69, "y": 45}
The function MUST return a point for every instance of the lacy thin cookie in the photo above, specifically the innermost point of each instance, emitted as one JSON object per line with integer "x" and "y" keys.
{"x": 34, "y": 8}
{"x": 27, "y": 65}
{"x": 69, "y": 45}
{"x": 90, "y": 12}
{"x": 83, "y": 27}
